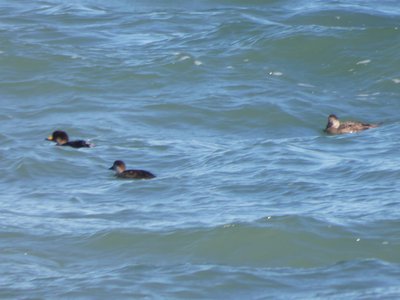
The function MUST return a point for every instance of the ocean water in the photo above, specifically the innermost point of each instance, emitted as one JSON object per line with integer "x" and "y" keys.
{"x": 226, "y": 102}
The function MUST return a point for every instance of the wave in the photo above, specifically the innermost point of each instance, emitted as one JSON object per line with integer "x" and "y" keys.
{"x": 286, "y": 241}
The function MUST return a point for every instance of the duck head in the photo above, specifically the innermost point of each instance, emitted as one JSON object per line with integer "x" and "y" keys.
{"x": 118, "y": 166}
{"x": 333, "y": 122}
{"x": 58, "y": 136}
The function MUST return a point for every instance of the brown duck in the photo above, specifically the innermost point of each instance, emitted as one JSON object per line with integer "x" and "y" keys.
{"x": 334, "y": 126}
{"x": 121, "y": 172}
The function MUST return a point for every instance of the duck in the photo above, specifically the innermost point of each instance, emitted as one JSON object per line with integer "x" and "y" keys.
{"x": 61, "y": 138}
{"x": 335, "y": 126}
{"x": 120, "y": 168}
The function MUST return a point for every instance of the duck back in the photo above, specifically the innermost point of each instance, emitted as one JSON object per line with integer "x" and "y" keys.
{"x": 136, "y": 174}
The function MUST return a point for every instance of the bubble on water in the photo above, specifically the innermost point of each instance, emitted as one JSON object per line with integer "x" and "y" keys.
{"x": 275, "y": 73}
{"x": 363, "y": 62}
{"x": 229, "y": 225}
{"x": 183, "y": 58}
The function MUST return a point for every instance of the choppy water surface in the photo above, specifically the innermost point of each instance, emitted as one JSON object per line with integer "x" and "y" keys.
{"x": 225, "y": 101}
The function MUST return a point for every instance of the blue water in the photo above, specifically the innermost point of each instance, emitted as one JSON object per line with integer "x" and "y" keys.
{"x": 226, "y": 102}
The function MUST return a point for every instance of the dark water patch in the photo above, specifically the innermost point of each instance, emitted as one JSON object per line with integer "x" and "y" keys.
{"x": 294, "y": 242}
{"x": 343, "y": 18}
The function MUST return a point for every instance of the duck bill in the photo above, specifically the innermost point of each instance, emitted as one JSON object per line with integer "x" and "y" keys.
{"x": 329, "y": 125}
{"x": 112, "y": 168}
{"x": 50, "y": 138}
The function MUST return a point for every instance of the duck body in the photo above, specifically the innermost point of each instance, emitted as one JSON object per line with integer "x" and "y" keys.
{"x": 136, "y": 174}
{"x": 61, "y": 138}
{"x": 335, "y": 126}
{"x": 121, "y": 172}
{"x": 77, "y": 144}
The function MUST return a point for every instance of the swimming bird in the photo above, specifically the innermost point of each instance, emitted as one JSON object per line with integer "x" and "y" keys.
{"x": 334, "y": 126}
{"x": 61, "y": 138}
{"x": 120, "y": 168}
